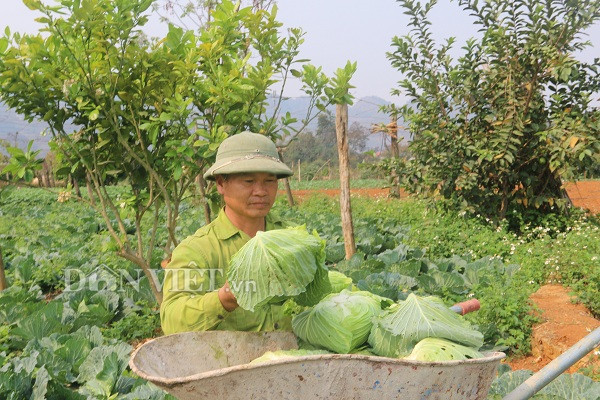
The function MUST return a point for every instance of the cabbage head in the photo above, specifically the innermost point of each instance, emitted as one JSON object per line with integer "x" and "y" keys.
{"x": 434, "y": 349}
{"x": 341, "y": 322}
{"x": 396, "y": 331}
{"x": 278, "y": 264}
{"x": 286, "y": 354}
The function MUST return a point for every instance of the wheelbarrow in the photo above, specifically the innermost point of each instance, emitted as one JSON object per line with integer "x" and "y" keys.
{"x": 215, "y": 364}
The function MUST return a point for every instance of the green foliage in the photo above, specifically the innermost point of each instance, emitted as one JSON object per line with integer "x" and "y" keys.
{"x": 566, "y": 386}
{"x": 501, "y": 127}
{"x": 22, "y": 164}
{"x": 140, "y": 322}
{"x": 152, "y": 113}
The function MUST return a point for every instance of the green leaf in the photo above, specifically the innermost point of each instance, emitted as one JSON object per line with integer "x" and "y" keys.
{"x": 396, "y": 332}
{"x": 40, "y": 387}
{"x": 94, "y": 115}
{"x": 341, "y": 322}
{"x": 288, "y": 257}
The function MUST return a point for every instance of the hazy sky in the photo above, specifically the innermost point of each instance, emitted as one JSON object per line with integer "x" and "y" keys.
{"x": 336, "y": 31}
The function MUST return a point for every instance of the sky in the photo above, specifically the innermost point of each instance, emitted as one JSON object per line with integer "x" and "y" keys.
{"x": 337, "y": 31}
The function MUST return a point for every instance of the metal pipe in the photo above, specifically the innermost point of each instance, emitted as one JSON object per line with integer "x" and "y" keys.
{"x": 559, "y": 365}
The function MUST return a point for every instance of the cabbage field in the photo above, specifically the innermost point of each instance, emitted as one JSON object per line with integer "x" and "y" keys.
{"x": 74, "y": 310}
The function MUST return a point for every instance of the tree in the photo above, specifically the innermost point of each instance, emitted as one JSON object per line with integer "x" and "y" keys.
{"x": 197, "y": 14}
{"x": 152, "y": 113}
{"x": 357, "y": 137}
{"x": 506, "y": 123}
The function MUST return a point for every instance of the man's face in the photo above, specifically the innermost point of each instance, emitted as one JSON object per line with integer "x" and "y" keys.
{"x": 248, "y": 195}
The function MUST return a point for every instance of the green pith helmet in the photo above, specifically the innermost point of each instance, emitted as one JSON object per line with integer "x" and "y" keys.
{"x": 247, "y": 152}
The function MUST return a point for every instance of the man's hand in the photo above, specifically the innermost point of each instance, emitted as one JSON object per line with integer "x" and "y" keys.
{"x": 227, "y": 298}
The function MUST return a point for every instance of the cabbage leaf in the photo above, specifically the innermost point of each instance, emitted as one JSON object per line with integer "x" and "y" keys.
{"x": 339, "y": 281}
{"x": 396, "y": 331}
{"x": 277, "y": 264}
{"x": 341, "y": 322}
{"x": 286, "y": 354}
{"x": 435, "y": 349}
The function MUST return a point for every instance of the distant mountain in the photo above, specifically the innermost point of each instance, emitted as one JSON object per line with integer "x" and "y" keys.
{"x": 365, "y": 111}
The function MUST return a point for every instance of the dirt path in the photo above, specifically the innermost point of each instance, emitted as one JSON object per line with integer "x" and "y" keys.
{"x": 564, "y": 324}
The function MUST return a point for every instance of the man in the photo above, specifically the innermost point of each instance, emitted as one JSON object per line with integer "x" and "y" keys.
{"x": 196, "y": 295}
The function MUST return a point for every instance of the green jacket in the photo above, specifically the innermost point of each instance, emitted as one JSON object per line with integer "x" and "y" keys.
{"x": 198, "y": 268}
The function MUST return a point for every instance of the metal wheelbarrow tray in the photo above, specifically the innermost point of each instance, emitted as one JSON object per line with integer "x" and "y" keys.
{"x": 213, "y": 365}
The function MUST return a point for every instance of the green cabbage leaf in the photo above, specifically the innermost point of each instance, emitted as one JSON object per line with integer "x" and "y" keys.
{"x": 278, "y": 264}
{"x": 435, "y": 349}
{"x": 341, "y": 322}
{"x": 339, "y": 281}
{"x": 396, "y": 331}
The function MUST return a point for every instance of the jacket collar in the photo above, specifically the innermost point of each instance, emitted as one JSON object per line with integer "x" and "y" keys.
{"x": 224, "y": 228}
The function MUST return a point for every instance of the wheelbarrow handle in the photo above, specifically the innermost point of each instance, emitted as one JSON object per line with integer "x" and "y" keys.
{"x": 556, "y": 367}
{"x": 466, "y": 306}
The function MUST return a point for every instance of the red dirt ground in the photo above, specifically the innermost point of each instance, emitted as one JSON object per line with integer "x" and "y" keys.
{"x": 563, "y": 324}
{"x": 585, "y": 194}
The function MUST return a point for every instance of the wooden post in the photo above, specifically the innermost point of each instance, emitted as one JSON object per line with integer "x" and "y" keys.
{"x": 395, "y": 189}
{"x": 286, "y": 182}
{"x": 2, "y": 276}
{"x": 341, "y": 130}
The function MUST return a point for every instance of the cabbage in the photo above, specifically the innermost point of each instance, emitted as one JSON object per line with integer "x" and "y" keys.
{"x": 286, "y": 354}
{"x": 317, "y": 289}
{"x": 396, "y": 332}
{"x": 435, "y": 349}
{"x": 339, "y": 281}
{"x": 278, "y": 264}
{"x": 341, "y": 322}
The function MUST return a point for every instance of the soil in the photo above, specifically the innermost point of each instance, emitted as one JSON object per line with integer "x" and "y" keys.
{"x": 585, "y": 194}
{"x": 563, "y": 324}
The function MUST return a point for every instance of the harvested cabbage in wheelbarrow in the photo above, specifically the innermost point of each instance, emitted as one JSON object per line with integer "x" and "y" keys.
{"x": 396, "y": 331}
{"x": 279, "y": 264}
{"x": 435, "y": 349}
{"x": 340, "y": 322}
